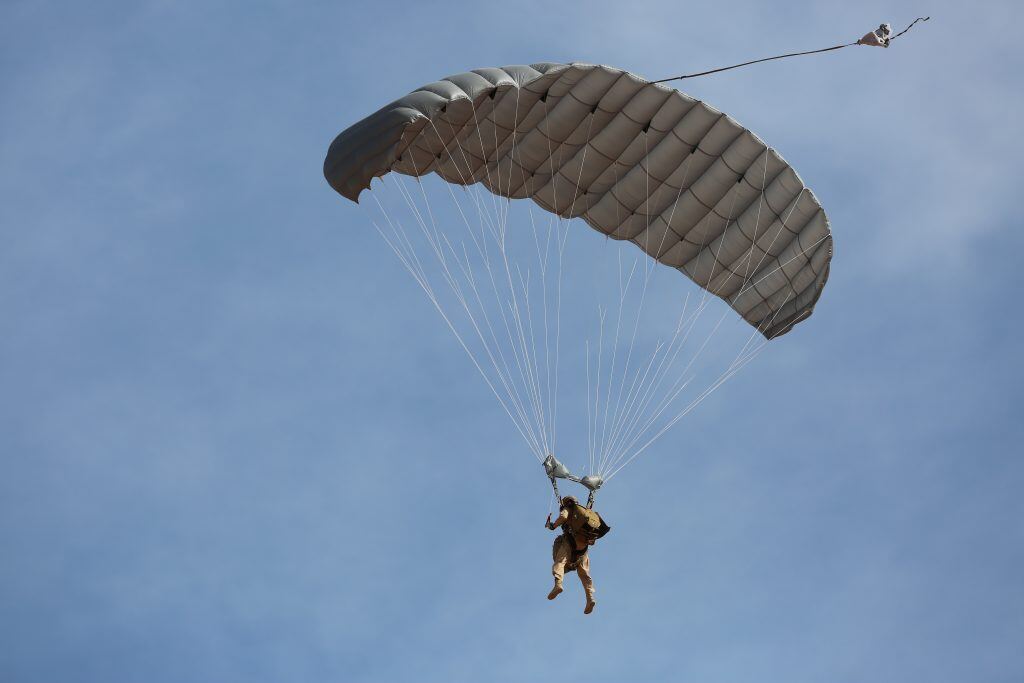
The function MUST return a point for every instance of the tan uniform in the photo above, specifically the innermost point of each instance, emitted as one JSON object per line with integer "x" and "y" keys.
{"x": 568, "y": 557}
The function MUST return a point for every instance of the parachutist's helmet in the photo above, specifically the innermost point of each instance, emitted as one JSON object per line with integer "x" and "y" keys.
{"x": 569, "y": 500}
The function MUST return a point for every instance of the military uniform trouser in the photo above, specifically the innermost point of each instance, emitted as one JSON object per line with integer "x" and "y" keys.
{"x": 563, "y": 555}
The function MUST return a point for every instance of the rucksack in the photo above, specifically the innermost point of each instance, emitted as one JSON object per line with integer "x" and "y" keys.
{"x": 586, "y": 524}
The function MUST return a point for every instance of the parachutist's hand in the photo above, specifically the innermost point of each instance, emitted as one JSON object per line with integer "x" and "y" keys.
{"x": 547, "y": 524}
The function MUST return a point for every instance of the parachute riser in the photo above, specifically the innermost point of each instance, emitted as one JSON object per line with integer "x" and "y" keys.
{"x": 554, "y": 485}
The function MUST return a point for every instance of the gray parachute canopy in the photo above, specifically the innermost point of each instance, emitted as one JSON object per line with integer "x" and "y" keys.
{"x": 636, "y": 160}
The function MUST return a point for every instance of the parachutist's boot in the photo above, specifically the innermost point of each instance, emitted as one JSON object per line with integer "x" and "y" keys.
{"x": 591, "y": 604}
{"x": 555, "y": 591}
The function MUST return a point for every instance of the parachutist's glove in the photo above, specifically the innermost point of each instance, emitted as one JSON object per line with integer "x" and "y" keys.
{"x": 547, "y": 524}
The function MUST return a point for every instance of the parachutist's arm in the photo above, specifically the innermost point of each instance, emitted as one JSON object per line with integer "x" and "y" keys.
{"x": 563, "y": 516}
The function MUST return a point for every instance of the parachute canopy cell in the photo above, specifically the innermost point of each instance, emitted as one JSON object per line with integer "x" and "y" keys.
{"x": 636, "y": 160}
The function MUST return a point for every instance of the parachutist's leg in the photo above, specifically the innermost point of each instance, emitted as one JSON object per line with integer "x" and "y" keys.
{"x": 583, "y": 570}
{"x": 560, "y": 553}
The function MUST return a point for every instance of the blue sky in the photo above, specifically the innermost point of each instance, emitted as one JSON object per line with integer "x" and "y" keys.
{"x": 234, "y": 437}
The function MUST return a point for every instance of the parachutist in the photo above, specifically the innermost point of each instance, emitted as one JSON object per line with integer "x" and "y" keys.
{"x": 581, "y": 527}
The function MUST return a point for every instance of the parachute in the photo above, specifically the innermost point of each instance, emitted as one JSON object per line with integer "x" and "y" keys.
{"x": 638, "y": 162}
{"x": 635, "y": 160}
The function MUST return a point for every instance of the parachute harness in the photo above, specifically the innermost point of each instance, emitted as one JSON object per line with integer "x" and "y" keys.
{"x": 880, "y": 37}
